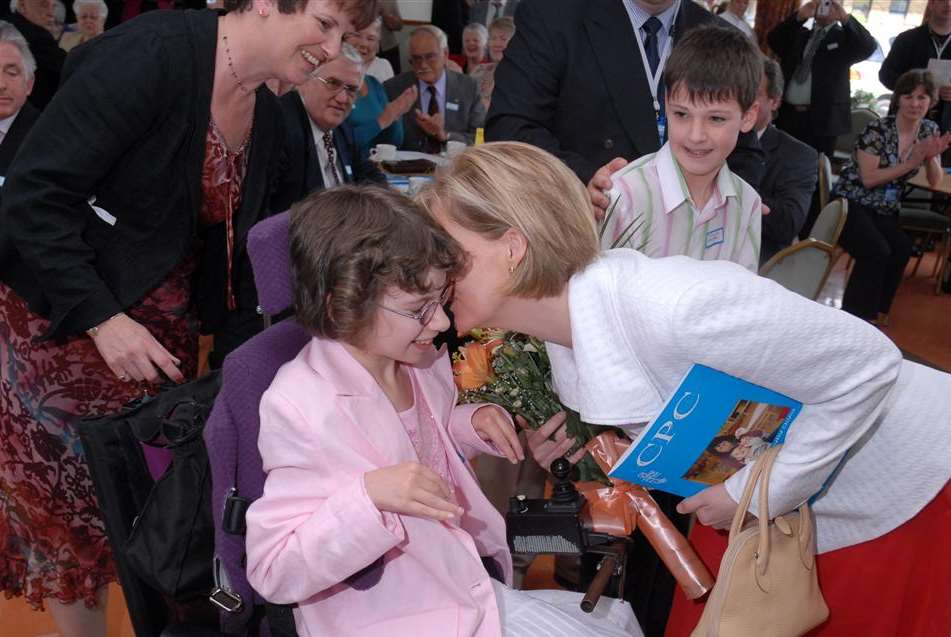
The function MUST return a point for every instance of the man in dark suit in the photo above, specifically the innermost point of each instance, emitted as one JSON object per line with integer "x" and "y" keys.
{"x": 574, "y": 82}
{"x": 816, "y": 63}
{"x": 33, "y": 19}
{"x": 791, "y": 174}
{"x": 485, "y": 11}
{"x": 449, "y": 108}
{"x": 17, "y": 116}
{"x": 319, "y": 150}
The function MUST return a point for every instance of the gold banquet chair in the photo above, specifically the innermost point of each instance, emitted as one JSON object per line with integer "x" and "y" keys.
{"x": 804, "y": 266}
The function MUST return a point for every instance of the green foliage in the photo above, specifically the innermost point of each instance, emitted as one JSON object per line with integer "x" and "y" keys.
{"x": 521, "y": 384}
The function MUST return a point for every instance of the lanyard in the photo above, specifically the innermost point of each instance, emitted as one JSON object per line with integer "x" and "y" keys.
{"x": 911, "y": 146}
{"x": 939, "y": 49}
{"x": 653, "y": 81}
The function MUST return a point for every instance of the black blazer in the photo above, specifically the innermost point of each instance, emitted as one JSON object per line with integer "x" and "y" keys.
{"x": 792, "y": 171}
{"x": 128, "y": 126}
{"x": 49, "y": 59}
{"x": 14, "y": 137}
{"x": 911, "y": 50}
{"x": 572, "y": 82}
{"x": 300, "y": 172}
{"x": 843, "y": 46}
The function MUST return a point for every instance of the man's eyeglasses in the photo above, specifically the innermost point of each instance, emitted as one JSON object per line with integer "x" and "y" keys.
{"x": 428, "y": 58}
{"x": 425, "y": 315}
{"x": 336, "y": 86}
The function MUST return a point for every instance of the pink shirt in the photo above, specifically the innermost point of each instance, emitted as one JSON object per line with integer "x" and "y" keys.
{"x": 655, "y": 214}
{"x": 422, "y": 430}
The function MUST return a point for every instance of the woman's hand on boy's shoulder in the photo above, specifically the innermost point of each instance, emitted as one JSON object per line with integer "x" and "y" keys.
{"x": 492, "y": 424}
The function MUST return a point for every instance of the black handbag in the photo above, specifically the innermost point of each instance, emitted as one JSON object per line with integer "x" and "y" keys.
{"x": 171, "y": 542}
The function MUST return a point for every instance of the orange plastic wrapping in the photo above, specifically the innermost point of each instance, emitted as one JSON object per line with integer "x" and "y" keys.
{"x": 620, "y": 509}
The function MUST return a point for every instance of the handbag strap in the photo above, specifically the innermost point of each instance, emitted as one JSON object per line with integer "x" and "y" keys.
{"x": 759, "y": 474}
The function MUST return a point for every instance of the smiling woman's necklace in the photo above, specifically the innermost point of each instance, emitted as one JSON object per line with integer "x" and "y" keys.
{"x": 234, "y": 74}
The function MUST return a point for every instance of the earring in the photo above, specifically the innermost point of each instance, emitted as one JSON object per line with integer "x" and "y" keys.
{"x": 511, "y": 269}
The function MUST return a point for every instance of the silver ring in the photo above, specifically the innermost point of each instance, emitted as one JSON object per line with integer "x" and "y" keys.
{"x": 123, "y": 378}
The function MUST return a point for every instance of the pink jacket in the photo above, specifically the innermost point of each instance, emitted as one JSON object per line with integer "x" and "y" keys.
{"x": 324, "y": 424}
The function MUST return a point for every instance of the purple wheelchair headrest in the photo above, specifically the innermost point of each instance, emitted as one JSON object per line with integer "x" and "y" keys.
{"x": 270, "y": 251}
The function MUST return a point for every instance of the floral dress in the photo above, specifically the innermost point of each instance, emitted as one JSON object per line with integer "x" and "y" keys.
{"x": 52, "y": 538}
{"x": 879, "y": 138}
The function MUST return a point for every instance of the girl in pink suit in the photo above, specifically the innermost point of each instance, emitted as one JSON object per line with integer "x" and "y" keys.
{"x": 371, "y": 519}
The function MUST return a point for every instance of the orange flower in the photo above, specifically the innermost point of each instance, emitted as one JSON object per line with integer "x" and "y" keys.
{"x": 473, "y": 367}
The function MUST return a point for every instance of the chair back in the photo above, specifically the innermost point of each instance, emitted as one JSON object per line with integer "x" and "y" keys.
{"x": 830, "y": 222}
{"x": 860, "y": 118}
{"x": 269, "y": 250}
{"x": 231, "y": 434}
{"x": 825, "y": 180}
{"x": 802, "y": 267}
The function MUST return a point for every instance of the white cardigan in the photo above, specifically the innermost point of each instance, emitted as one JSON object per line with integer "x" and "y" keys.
{"x": 637, "y": 324}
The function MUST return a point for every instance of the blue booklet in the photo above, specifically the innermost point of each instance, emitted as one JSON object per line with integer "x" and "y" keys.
{"x": 713, "y": 425}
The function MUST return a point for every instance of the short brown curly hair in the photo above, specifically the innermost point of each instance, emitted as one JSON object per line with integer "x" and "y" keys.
{"x": 350, "y": 244}
{"x": 361, "y": 12}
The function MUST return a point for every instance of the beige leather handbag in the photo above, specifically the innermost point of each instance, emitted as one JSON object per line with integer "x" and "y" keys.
{"x": 767, "y": 586}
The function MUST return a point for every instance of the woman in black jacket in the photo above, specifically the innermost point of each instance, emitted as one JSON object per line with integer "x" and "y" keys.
{"x": 126, "y": 209}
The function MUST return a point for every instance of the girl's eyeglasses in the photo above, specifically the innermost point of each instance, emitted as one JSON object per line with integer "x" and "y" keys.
{"x": 425, "y": 315}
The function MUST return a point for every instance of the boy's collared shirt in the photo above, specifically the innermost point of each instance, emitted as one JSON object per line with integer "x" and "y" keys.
{"x": 653, "y": 201}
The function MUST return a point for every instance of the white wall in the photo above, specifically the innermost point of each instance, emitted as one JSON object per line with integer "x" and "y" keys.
{"x": 420, "y": 10}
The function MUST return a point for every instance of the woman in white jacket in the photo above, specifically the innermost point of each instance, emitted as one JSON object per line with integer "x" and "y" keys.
{"x": 622, "y": 329}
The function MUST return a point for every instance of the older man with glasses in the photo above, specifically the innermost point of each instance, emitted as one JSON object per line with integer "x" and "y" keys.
{"x": 449, "y": 104}
{"x": 319, "y": 150}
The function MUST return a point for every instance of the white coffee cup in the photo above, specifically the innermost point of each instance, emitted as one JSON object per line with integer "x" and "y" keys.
{"x": 453, "y": 148}
{"x": 383, "y": 152}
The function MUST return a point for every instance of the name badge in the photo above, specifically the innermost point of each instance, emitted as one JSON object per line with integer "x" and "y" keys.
{"x": 714, "y": 238}
{"x": 452, "y": 106}
{"x": 662, "y": 129}
{"x": 832, "y": 46}
{"x": 347, "y": 169}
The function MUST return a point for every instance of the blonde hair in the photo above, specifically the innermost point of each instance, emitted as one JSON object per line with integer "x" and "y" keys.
{"x": 491, "y": 188}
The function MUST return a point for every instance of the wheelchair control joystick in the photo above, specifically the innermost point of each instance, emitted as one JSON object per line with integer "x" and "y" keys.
{"x": 564, "y": 491}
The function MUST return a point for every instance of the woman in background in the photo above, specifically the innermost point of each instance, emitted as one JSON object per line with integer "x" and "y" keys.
{"x": 367, "y": 43}
{"x": 500, "y": 33}
{"x": 475, "y": 39}
{"x": 90, "y": 19}
{"x": 374, "y": 118}
{"x": 886, "y": 155}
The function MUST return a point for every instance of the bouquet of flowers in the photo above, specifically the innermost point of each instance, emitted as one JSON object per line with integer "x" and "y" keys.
{"x": 512, "y": 371}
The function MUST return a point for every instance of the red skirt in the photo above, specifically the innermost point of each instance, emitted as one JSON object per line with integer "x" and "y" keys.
{"x": 52, "y": 540}
{"x": 897, "y": 584}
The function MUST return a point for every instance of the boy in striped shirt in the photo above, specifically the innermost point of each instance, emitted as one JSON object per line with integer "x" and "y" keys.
{"x": 684, "y": 199}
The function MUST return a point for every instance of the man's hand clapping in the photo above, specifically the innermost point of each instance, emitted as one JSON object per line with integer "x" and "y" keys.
{"x": 432, "y": 125}
{"x": 400, "y": 106}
